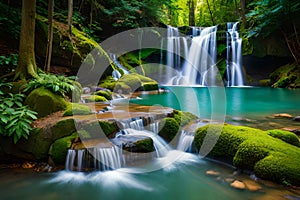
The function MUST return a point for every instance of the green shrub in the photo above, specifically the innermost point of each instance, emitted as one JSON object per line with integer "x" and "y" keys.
{"x": 254, "y": 149}
{"x": 57, "y": 84}
{"x": 77, "y": 109}
{"x": 15, "y": 118}
{"x": 168, "y": 128}
{"x": 95, "y": 98}
{"x": 286, "y": 136}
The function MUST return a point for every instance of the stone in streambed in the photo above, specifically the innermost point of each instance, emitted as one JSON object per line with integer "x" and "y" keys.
{"x": 297, "y": 119}
{"x": 212, "y": 173}
{"x": 238, "y": 185}
{"x": 282, "y": 115}
{"x": 252, "y": 185}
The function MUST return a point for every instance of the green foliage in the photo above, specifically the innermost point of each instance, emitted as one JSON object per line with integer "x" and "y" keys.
{"x": 254, "y": 149}
{"x": 8, "y": 63}
{"x": 10, "y": 21}
{"x": 77, "y": 109}
{"x": 15, "y": 118}
{"x": 285, "y": 136}
{"x": 57, "y": 84}
{"x": 108, "y": 83}
{"x": 168, "y": 128}
{"x": 286, "y": 76}
{"x": 105, "y": 93}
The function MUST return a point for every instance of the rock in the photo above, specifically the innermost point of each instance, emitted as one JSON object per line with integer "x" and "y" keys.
{"x": 139, "y": 144}
{"x": 212, "y": 173}
{"x": 295, "y": 129}
{"x": 252, "y": 185}
{"x": 297, "y": 119}
{"x": 285, "y": 136}
{"x": 229, "y": 180}
{"x": 95, "y": 98}
{"x": 77, "y": 109}
{"x": 86, "y": 90}
{"x": 282, "y": 115}
{"x": 44, "y": 102}
{"x": 28, "y": 165}
{"x": 168, "y": 128}
{"x": 63, "y": 128}
{"x": 238, "y": 185}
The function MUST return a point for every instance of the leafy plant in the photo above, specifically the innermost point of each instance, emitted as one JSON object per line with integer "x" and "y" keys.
{"x": 15, "y": 118}
{"x": 58, "y": 84}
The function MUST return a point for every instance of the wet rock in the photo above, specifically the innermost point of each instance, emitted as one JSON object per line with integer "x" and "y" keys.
{"x": 252, "y": 185}
{"x": 28, "y": 165}
{"x": 229, "y": 180}
{"x": 297, "y": 119}
{"x": 238, "y": 185}
{"x": 282, "y": 115}
{"x": 212, "y": 173}
{"x": 295, "y": 129}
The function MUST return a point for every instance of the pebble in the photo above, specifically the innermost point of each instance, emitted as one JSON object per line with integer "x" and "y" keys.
{"x": 212, "y": 173}
{"x": 238, "y": 185}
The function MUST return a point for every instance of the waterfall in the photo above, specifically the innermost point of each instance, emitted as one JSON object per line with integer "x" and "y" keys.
{"x": 234, "y": 56}
{"x": 116, "y": 74}
{"x": 199, "y": 68}
{"x": 102, "y": 158}
{"x": 185, "y": 141}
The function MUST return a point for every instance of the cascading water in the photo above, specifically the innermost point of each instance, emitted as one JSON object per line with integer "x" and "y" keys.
{"x": 200, "y": 66}
{"x": 234, "y": 56}
{"x": 185, "y": 141}
{"x": 116, "y": 74}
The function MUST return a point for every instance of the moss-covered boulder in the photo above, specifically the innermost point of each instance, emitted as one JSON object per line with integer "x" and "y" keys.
{"x": 144, "y": 145}
{"x": 95, "y": 129}
{"x": 286, "y": 76}
{"x": 104, "y": 93}
{"x": 169, "y": 128}
{"x": 62, "y": 128}
{"x": 59, "y": 149}
{"x": 184, "y": 118}
{"x": 95, "y": 98}
{"x": 77, "y": 109}
{"x": 253, "y": 149}
{"x": 44, "y": 102}
{"x": 285, "y": 136}
{"x": 108, "y": 83}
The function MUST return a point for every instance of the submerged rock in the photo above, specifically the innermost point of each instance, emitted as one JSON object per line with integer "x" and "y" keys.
{"x": 212, "y": 173}
{"x": 282, "y": 115}
{"x": 238, "y": 185}
{"x": 297, "y": 119}
{"x": 252, "y": 185}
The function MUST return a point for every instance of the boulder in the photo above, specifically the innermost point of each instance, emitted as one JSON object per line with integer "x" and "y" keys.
{"x": 168, "y": 128}
{"x": 44, "y": 102}
{"x": 297, "y": 119}
{"x": 238, "y": 185}
{"x": 77, "y": 109}
{"x": 138, "y": 144}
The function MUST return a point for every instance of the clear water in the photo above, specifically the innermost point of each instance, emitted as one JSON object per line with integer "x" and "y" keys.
{"x": 249, "y": 103}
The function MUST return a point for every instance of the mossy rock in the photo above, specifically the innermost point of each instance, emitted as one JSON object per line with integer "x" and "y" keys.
{"x": 38, "y": 144}
{"x": 285, "y": 136}
{"x": 75, "y": 95}
{"x": 132, "y": 80}
{"x": 184, "y": 118}
{"x": 265, "y": 82}
{"x": 169, "y": 128}
{"x": 108, "y": 83}
{"x": 122, "y": 88}
{"x": 149, "y": 86}
{"x": 63, "y": 128}
{"x": 59, "y": 149}
{"x": 95, "y": 128}
{"x": 140, "y": 146}
{"x": 95, "y": 98}
{"x": 104, "y": 93}
{"x": 44, "y": 102}
{"x": 77, "y": 109}
{"x": 253, "y": 149}
{"x": 287, "y": 76}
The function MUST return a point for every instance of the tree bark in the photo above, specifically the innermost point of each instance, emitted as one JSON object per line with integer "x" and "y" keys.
{"x": 26, "y": 63}
{"x": 243, "y": 6}
{"x": 70, "y": 14}
{"x": 192, "y": 13}
{"x": 50, "y": 35}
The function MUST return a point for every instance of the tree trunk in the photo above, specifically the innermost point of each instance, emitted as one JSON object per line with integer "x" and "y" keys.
{"x": 70, "y": 14}
{"x": 50, "y": 35}
{"x": 210, "y": 12}
{"x": 26, "y": 63}
{"x": 243, "y": 6}
{"x": 192, "y": 13}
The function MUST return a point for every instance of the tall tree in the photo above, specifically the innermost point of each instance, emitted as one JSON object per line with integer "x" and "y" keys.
{"x": 70, "y": 15}
{"x": 191, "y": 4}
{"x": 210, "y": 12}
{"x": 243, "y": 7}
{"x": 26, "y": 64}
{"x": 50, "y": 35}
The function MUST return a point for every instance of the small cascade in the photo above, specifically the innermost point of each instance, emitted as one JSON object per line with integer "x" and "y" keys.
{"x": 154, "y": 127}
{"x": 160, "y": 146}
{"x": 195, "y": 31}
{"x": 185, "y": 141}
{"x": 134, "y": 123}
{"x": 98, "y": 158}
{"x": 234, "y": 56}
{"x": 116, "y": 74}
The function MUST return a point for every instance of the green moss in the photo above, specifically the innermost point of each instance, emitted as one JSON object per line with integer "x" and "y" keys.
{"x": 63, "y": 128}
{"x": 38, "y": 144}
{"x": 286, "y": 76}
{"x": 285, "y": 136}
{"x": 109, "y": 128}
{"x": 94, "y": 131}
{"x": 150, "y": 86}
{"x": 77, "y": 109}
{"x": 265, "y": 82}
{"x": 132, "y": 80}
{"x": 108, "y": 83}
{"x": 59, "y": 149}
{"x": 254, "y": 149}
{"x": 145, "y": 145}
{"x": 122, "y": 88}
{"x": 45, "y": 102}
{"x": 95, "y": 98}
{"x": 104, "y": 93}
{"x": 168, "y": 128}
{"x": 184, "y": 118}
